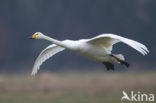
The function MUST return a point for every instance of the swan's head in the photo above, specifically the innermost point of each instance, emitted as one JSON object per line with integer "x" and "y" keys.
{"x": 37, "y": 35}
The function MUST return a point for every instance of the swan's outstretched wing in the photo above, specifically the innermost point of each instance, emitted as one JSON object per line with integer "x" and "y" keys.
{"x": 107, "y": 40}
{"x": 44, "y": 55}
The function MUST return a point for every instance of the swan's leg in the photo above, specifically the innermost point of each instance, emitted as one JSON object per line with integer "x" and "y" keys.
{"x": 125, "y": 63}
{"x": 109, "y": 66}
{"x": 121, "y": 61}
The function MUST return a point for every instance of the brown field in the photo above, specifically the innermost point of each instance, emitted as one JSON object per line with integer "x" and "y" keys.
{"x": 74, "y": 87}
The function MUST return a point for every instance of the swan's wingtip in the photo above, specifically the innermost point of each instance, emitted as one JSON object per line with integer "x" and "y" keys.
{"x": 145, "y": 53}
{"x": 33, "y": 73}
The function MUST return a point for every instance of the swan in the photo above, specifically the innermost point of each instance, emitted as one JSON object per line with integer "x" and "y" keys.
{"x": 97, "y": 49}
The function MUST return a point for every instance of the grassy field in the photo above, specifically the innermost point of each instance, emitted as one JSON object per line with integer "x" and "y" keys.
{"x": 74, "y": 87}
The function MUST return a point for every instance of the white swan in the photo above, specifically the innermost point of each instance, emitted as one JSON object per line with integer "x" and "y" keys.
{"x": 97, "y": 49}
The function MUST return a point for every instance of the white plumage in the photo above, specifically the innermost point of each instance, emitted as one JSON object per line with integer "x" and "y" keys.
{"x": 97, "y": 49}
{"x": 44, "y": 55}
{"x": 107, "y": 41}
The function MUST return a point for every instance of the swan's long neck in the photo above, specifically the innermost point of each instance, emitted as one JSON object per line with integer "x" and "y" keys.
{"x": 57, "y": 42}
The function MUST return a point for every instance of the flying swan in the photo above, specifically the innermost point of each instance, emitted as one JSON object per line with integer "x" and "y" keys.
{"x": 97, "y": 49}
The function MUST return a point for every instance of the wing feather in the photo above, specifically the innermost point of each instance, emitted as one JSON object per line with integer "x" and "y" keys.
{"x": 44, "y": 55}
{"x": 106, "y": 41}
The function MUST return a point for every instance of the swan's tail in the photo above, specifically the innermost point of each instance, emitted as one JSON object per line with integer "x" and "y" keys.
{"x": 120, "y": 56}
{"x": 121, "y": 59}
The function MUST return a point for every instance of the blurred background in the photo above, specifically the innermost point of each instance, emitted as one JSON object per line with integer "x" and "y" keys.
{"x": 72, "y": 78}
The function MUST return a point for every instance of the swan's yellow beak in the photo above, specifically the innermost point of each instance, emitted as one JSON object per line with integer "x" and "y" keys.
{"x": 34, "y": 36}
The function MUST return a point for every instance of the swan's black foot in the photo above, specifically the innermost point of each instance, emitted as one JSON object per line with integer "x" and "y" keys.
{"x": 121, "y": 61}
{"x": 124, "y": 63}
{"x": 109, "y": 66}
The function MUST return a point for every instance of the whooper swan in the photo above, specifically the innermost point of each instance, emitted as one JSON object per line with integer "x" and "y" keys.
{"x": 97, "y": 49}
